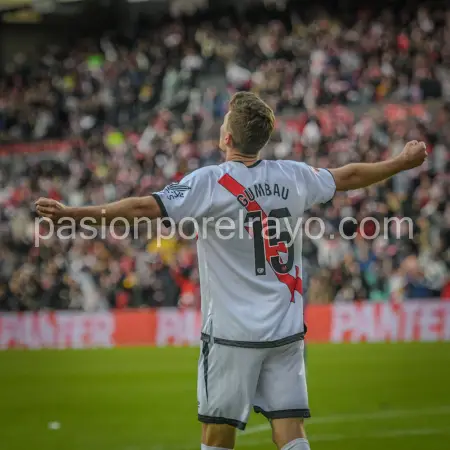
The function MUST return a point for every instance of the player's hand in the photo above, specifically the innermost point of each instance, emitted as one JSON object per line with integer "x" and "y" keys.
{"x": 49, "y": 208}
{"x": 413, "y": 155}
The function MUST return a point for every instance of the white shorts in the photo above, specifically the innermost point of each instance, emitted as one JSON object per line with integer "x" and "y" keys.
{"x": 233, "y": 379}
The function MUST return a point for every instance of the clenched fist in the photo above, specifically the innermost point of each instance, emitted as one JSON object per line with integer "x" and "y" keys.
{"x": 49, "y": 208}
{"x": 413, "y": 155}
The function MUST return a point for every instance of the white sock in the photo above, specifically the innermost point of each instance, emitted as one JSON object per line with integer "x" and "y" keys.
{"x": 298, "y": 444}
{"x": 205, "y": 447}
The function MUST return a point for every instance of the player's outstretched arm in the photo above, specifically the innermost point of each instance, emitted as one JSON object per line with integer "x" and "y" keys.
{"x": 128, "y": 209}
{"x": 361, "y": 175}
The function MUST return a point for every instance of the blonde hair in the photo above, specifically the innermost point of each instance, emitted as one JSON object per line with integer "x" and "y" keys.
{"x": 250, "y": 122}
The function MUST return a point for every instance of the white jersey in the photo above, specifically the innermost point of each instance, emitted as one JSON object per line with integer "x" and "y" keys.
{"x": 250, "y": 270}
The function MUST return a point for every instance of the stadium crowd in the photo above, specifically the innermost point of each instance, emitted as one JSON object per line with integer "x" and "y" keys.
{"x": 128, "y": 119}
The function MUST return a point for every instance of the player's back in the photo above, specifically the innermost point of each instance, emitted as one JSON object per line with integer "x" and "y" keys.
{"x": 250, "y": 271}
{"x": 250, "y": 251}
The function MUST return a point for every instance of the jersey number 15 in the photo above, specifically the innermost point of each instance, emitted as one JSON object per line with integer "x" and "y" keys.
{"x": 268, "y": 241}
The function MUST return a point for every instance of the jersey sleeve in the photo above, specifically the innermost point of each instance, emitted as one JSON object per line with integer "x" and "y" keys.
{"x": 318, "y": 185}
{"x": 191, "y": 197}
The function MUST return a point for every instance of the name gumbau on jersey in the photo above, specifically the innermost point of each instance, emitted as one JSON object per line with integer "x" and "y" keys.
{"x": 262, "y": 190}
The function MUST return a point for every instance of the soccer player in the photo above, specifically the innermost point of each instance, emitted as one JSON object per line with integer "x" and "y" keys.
{"x": 251, "y": 285}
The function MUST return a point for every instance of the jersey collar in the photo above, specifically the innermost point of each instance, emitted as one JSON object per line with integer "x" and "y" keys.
{"x": 251, "y": 165}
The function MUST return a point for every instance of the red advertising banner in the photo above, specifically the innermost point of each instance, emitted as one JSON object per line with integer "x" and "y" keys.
{"x": 378, "y": 322}
{"x": 57, "y": 330}
{"x": 352, "y": 322}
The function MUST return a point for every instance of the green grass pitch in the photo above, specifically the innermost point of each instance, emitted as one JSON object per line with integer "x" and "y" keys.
{"x": 363, "y": 397}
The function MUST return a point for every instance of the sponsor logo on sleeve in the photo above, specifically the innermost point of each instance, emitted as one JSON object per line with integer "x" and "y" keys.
{"x": 176, "y": 190}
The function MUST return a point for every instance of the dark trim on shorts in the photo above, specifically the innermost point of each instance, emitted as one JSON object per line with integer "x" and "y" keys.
{"x": 161, "y": 206}
{"x": 249, "y": 344}
{"x": 335, "y": 187}
{"x": 205, "y": 353}
{"x": 222, "y": 421}
{"x": 284, "y": 414}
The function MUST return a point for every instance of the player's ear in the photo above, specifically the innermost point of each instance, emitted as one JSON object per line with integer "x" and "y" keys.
{"x": 228, "y": 139}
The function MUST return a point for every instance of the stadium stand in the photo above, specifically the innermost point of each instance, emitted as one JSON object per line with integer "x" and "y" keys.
{"x": 111, "y": 117}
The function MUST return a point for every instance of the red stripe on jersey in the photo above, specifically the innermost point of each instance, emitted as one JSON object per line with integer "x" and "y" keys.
{"x": 294, "y": 284}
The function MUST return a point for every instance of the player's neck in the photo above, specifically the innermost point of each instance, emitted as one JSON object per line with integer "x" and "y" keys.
{"x": 248, "y": 160}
